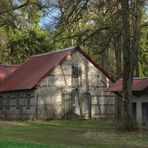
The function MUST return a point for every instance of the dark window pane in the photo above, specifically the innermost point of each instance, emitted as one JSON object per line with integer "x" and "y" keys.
{"x": 76, "y": 71}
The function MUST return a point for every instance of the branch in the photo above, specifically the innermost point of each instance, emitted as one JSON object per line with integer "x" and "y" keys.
{"x": 95, "y": 32}
{"x": 28, "y": 2}
{"x": 144, "y": 25}
{"x": 15, "y": 8}
{"x": 70, "y": 17}
{"x": 74, "y": 36}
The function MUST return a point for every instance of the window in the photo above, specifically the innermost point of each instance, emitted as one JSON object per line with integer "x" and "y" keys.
{"x": 76, "y": 71}
{"x": 76, "y": 75}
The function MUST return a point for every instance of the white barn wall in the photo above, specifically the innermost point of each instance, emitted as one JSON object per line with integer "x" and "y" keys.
{"x": 51, "y": 90}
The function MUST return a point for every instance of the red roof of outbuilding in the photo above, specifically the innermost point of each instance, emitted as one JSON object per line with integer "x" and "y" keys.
{"x": 36, "y": 68}
{"x": 139, "y": 84}
{"x": 6, "y": 70}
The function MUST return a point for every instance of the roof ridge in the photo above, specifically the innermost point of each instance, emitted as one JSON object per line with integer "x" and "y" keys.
{"x": 54, "y": 52}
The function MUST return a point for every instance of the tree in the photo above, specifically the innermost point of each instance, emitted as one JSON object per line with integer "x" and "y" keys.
{"x": 19, "y": 24}
{"x": 127, "y": 78}
{"x": 131, "y": 46}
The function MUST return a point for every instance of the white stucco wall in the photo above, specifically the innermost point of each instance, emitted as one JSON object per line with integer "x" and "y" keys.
{"x": 58, "y": 85}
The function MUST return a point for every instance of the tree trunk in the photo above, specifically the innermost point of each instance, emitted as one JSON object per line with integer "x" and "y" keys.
{"x": 118, "y": 61}
{"x": 104, "y": 60}
{"x": 118, "y": 71}
{"x": 127, "y": 79}
{"x": 137, "y": 69}
{"x": 137, "y": 6}
{"x": 118, "y": 46}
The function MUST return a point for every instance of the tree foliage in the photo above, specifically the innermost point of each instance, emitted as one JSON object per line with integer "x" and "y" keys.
{"x": 21, "y": 33}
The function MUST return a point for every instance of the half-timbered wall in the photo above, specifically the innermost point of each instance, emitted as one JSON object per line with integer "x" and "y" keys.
{"x": 62, "y": 95}
{"x": 18, "y": 105}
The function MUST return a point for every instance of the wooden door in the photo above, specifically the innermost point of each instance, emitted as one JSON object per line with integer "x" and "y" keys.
{"x": 86, "y": 105}
{"x": 67, "y": 105}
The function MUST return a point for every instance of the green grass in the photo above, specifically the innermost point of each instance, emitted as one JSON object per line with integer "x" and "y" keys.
{"x": 68, "y": 134}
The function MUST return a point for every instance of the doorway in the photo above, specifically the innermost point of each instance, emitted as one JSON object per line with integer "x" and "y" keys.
{"x": 145, "y": 113}
{"x": 134, "y": 112}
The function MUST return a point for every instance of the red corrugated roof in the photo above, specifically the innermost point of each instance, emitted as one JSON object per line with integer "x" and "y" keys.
{"x": 10, "y": 67}
{"x": 6, "y": 70}
{"x": 139, "y": 84}
{"x": 36, "y": 68}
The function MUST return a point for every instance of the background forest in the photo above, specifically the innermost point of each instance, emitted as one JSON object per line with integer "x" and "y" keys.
{"x": 30, "y": 27}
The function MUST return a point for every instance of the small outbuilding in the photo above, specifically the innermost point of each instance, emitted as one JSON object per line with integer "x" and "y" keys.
{"x": 139, "y": 99}
{"x": 63, "y": 84}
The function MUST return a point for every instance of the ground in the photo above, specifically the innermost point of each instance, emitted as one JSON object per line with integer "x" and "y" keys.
{"x": 68, "y": 134}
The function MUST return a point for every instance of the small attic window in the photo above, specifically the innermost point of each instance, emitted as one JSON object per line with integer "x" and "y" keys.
{"x": 76, "y": 71}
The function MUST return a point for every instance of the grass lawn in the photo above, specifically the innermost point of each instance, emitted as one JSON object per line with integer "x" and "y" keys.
{"x": 68, "y": 134}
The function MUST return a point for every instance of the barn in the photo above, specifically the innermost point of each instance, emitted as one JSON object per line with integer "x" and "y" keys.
{"x": 139, "y": 99}
{"x": 65, "y": 84}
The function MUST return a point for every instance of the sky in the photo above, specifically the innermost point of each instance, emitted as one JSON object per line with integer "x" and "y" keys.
{"x": 49, "y": 19}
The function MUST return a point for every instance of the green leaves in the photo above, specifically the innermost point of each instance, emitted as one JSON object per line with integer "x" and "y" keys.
{"x": 21, "y": 35}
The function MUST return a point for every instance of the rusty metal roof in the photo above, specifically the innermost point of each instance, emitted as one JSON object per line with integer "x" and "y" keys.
{"x": 29, "y": 74}
{"x": 6, "y": 70}
{"x": 10, "y": 67}
{"x": 139, "y": 84}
